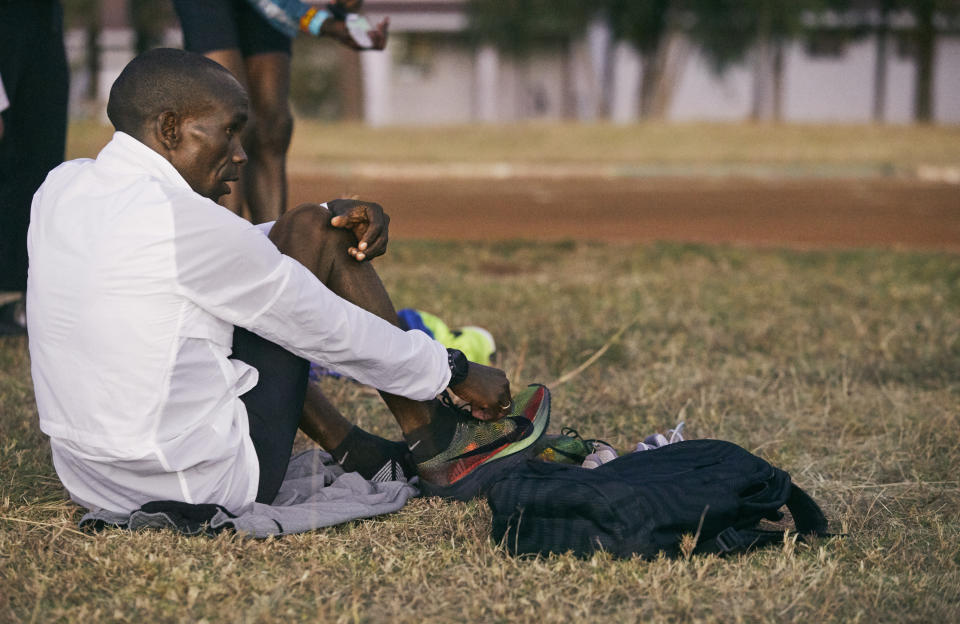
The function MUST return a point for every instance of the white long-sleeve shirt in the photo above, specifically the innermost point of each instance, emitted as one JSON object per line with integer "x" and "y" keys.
{"x": 135, "y": 285}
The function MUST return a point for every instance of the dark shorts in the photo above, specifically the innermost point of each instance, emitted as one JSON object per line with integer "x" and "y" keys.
{"x": 226, "y": 25}
{"x": 274, "y": 405}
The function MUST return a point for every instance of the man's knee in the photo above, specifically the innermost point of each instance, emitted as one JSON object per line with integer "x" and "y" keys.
{"x": 309, "y": 222}
{"x": 305, "y": 234}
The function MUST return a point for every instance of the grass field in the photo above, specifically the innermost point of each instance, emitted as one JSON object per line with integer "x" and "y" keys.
{"x": 842, "y": 367}
{"x": 855, "y": 149}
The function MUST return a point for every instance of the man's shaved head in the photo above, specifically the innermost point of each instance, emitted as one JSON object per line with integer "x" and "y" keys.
{"x": 166, "y": 79}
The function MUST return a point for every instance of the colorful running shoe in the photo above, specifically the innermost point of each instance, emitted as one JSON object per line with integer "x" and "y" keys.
{"x": 481, "y": 451}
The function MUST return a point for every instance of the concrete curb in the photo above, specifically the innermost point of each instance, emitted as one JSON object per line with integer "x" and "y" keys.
{"x": 946, "y": 174}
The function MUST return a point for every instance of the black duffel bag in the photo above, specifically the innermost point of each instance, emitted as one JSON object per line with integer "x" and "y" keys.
{"x": 643, "y": 503}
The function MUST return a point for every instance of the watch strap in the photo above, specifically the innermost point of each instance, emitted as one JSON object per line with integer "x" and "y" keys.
{"x": 459, "y": 366}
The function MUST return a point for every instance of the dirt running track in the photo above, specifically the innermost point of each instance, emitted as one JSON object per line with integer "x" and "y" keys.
{"x": 793, "y": 213}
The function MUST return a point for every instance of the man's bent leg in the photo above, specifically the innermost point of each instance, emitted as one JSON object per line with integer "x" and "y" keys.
{"x": 443, "y": 440}
{"x": 306, "y": 235}
{"x": 353, "y": 448}
{"x": 274, "y": 405}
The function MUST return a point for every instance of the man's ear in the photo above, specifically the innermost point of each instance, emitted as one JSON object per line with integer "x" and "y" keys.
{"x": 168, "y": 129}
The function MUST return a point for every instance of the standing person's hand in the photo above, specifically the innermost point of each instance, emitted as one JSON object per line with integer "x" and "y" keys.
{"x": 369, "y": 223}
{"x": 337, "y": 28}
{"x": 338, "y": 31}
{"x": 487, "y": 390}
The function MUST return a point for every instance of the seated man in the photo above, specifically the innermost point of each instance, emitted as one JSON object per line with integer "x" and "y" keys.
{"x": 170, "y": 339}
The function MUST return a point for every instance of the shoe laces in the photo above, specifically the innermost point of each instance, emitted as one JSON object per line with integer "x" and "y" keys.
{"x": 570, "y": 432}
{"x": 462, "y": 409}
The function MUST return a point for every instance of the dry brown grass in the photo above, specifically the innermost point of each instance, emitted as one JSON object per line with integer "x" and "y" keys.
{"x": 841, "y": 367}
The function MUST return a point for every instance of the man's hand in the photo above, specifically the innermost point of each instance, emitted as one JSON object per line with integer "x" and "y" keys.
{"x": 487, "y": 391}
{"x": 368, "y": 222}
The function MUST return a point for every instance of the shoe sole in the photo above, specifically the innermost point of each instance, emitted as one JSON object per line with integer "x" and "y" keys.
{"x": 479, "y": 480}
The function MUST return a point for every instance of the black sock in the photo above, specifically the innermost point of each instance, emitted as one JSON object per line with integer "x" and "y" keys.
{"x": 373, "y": 457}
{"x": 433, "y": 438}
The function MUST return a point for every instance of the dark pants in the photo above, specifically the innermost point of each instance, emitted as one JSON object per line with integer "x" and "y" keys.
{"x": 33, "y": 67}
{"x": 274, "y": 405}
{"x": 226, "y": 25}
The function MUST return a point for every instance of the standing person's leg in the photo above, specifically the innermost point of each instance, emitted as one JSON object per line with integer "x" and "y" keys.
{"x": 267, "y": 139}
{"x": 34, "y": 70}
{"x": 266, "y": 55}
{"x": 233, "y": 34}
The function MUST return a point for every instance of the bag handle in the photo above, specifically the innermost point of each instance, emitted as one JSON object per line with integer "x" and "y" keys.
{"x": 808, "y": 518}
{"x": 807, "y": 515}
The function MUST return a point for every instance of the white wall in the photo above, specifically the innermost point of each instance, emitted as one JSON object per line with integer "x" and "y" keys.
{"x": 454, "y": 84}
{"x": 827, "y": 88}
{"x": 440, "y": 91}
{"x": 947, "y": 76}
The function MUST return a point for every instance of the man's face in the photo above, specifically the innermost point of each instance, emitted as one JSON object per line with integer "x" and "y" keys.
{"x": 209, "y": 153}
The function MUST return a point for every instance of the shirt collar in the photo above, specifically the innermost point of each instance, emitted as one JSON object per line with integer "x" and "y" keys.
{"x": 126, "y": 154}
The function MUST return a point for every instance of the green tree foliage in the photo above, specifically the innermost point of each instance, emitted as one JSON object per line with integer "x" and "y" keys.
{"x": 646, "y": 25}
{"x": 929, "y": 18}
{"x": 727, "y": 30}
{"x": 80, "y": 13}
{"x": 515, "y": 25}
{"x": 149, "y": 19}
{"x": 926, "y": 14}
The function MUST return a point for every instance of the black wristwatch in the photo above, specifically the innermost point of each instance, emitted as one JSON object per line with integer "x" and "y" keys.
{"x": 459, "y": 366}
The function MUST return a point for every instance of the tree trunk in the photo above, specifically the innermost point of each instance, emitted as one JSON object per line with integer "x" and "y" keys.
{"x": 648, "y": 83}
{"x": 92, "y": 59}
{"x": 568, "y": 96}
{"x": 880, "y": 64}
{"x": 148, "y": 19}
{"x": 673, "y": 60}
{"x": 777, "y": 77}
{"x": 761, "y": 67}
{"x": 606, "y": 80}
{"x": 655, "y": 67}
{"x": 926, "y": 41}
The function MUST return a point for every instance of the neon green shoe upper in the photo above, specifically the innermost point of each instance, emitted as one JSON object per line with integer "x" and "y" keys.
{"x": 475, "y": 342}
